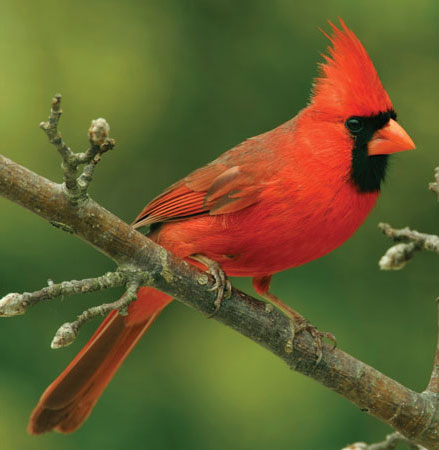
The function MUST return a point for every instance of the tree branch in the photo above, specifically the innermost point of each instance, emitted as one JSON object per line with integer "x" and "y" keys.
{"x": 415, "y": 415}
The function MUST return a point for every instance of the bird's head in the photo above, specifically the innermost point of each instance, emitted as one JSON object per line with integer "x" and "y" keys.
{"x": 349, "y": 93}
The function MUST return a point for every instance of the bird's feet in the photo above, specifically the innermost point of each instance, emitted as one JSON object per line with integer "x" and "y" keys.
{"x": 300, "y": 324}
{"x": 304, "y": 325}
{"x": 222, "y": 284}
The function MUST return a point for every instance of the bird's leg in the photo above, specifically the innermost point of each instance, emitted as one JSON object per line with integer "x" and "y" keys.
{"x": 300, "y": 324}
{"x": 222, "y": 284}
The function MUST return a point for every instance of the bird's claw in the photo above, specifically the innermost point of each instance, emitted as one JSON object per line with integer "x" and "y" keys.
{"x": 222, "y": 285}
{"x": 299, "y": 324}
{"x": 317, "y": 337}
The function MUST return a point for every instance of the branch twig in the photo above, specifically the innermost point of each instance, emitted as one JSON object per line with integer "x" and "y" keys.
{"x": 412, "y": 241}
{"x": 15, "y": 304}
{"x": 68, "y": 332}
{"x": 76, "y": 187}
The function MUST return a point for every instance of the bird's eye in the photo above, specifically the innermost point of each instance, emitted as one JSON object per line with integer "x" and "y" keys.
{"x": 354, "y": 124}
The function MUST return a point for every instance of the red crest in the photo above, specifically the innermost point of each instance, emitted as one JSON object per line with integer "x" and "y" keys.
{"x": 349, "y": 83}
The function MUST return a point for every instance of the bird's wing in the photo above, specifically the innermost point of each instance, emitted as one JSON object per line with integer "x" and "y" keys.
{"x": 230, "y": 183}
{"x": 213, "y": 189}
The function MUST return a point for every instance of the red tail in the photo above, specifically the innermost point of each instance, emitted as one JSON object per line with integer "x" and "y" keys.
{"x": 68, "y": 401}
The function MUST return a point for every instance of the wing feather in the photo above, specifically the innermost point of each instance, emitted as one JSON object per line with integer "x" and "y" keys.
{"x": 226, "y": 185}
{"x": 210, "y": 190}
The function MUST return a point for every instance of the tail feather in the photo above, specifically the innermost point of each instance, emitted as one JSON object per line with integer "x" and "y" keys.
{"x": 68, "y": 401}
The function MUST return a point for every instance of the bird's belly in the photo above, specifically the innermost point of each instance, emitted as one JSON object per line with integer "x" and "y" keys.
{"x": 262, "y": 240}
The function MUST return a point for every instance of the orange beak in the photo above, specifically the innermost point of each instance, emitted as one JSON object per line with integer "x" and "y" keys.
{"x": 390, "y": 139}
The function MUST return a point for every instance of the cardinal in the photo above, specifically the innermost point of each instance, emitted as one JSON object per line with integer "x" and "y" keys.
{"x": 275, "y": 201}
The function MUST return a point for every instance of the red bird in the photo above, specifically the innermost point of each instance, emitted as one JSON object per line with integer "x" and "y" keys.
{"x": 278, "y": 200}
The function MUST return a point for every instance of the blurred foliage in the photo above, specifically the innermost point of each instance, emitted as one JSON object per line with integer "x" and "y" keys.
{"x": 180, "y": 82}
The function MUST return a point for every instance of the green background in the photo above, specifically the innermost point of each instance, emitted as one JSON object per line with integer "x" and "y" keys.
{"x": 180, "y": 82}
